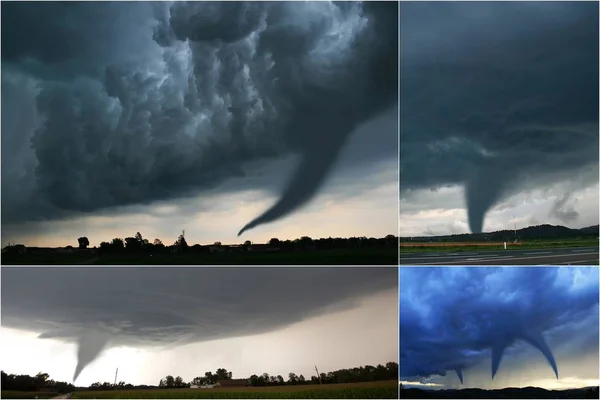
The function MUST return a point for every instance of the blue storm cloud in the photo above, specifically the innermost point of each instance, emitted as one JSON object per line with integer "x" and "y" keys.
{"x": 454, "y": 318}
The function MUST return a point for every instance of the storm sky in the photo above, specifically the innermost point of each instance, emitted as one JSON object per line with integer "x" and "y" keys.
{"x": 530, "y": 320}
{"x": 120, "y": 117}
{"x": 152, "y": 322}
{"x": 498, "y": 115}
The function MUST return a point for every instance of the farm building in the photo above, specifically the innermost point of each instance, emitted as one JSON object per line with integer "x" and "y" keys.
{"x": 207, "y": 386}
{"x": 234, "y": 383}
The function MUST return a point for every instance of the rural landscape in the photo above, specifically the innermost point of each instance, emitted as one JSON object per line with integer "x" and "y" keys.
{"x": 138, "y": 250}
{"x": 533, "y": 237}
{"x": 541, "y": 244}
{"x": 507, "y": 393}
{"x": 365, "y": 382}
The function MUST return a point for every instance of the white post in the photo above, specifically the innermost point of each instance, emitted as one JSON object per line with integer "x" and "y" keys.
{"x": 504, "y": 245}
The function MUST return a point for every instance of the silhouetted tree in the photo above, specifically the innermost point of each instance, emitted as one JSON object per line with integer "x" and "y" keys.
{"x": 181, "y": 242}
{"x": 117, "y": 244}
{"x": 274, "y": 242}
{"x": 139, "y": 238}
{"x": 132, "y": 244}
{"x": 83, "y": 242}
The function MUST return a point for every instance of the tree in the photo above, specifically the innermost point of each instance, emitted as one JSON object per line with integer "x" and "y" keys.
{"x": 293, "y": 378}
{"x": 254, "y": 380}
{"x": 117, "y": 244}
{"x": 280, "y": 380}
{"x": 179, "y": 382}
{"x": 198, "y": 381}
{"x": 132, "y": 244}
{"x": 40, "y": 380}
{"x": 274, "y": 242}
{"x": 83, "y": 242}
{"x": 169, "y": 381}
{"x": 301, "y": 380}
{"x": 222, "y": 374}
{"x": 139, "y": 238}
{"x": 265, "y": 378}
{"x": 158, "y": 243}
{"x": 181, "y": 243}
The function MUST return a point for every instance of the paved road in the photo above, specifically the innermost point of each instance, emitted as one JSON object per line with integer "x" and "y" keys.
{"x": 567, "y": 256}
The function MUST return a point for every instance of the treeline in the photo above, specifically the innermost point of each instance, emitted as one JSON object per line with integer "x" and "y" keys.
{"x": 138, "y": 243}
{"x": 367, "y": 373}
{"x": 39, "y": 383}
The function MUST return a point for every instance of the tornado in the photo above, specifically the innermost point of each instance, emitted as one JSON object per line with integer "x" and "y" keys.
{"x": 535, "y": 339}
{"x": 308, "y": 178}
{"x": 89, "y": 346}
{"x": 482, "y": 191}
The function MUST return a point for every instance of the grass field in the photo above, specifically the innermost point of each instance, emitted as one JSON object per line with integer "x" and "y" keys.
{"x": 366, "y": 390}
{"x": 363, "y": 256}
{"x": 16, "y": 394}
{"x": 435, "y": 247}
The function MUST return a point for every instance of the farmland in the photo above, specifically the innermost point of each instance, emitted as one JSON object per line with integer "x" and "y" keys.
{"x": 365, "y": 390}
{"x": 539, "y": 244}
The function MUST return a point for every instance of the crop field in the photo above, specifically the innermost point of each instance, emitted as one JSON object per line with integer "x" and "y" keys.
{"x": 425, "y": 247}
{"x": 365, "y": 390}
{"x": 361, "y": 256}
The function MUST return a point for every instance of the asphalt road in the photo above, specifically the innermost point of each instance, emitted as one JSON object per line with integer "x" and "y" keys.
{"x": 567, "y": 256}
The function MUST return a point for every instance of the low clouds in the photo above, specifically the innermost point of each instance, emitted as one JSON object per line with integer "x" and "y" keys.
{"x": 498, "y": 97}
{"x": 171, "y": 305}
{"x": 155, "y": 101}
{"x": 454, "y": 319}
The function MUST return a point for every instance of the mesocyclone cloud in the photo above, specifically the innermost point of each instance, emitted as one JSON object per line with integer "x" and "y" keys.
{"x": 110, "y": 104}
{"x": 453, "y": 319}
{"x": 498, "y": 98}
{"x": 168, "y": 306}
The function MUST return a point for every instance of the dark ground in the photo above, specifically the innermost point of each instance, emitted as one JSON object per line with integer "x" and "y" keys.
{"x": 362, "y": 256}
{"x": 508, "y": 393}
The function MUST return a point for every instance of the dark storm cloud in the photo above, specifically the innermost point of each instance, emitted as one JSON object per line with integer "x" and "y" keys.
{"x": 146, "y": 101}
{"x": 167, "y": 305}
{"x": 454, "y": 318}
{"x": 498, "y": 97}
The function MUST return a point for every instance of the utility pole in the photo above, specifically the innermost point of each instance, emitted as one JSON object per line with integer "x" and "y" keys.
{"x": 515, "y": 220}
{"x": 318, "y": 375}
{"x": 116, "y": 373}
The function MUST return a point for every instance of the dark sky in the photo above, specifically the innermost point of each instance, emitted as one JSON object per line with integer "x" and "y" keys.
{"x": 523, "y": 325}
{"x": 110, "y": 104}
{"x": 171, "y": 306}
{"x": 500, "y": 98}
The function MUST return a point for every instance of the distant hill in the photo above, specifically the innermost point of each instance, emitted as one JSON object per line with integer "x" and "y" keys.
{"x": 530, "y": 233}
{"x": 594, "y": 229}
{"x": 507, "y": 393}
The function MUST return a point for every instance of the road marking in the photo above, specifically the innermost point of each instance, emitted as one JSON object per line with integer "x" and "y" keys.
{"x": 539, "y": 252}
{"x": 578, "y": 251}
{"x": 585, "y": 262}
{"x": 514, "y": 259}
{"x": 485, "y": 258}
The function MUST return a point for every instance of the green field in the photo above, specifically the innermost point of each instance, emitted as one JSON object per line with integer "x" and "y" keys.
{"x": 367, "y": 390}
{"x": 362, "y": 256}
{"x": 432, "y": 247}
{"x": 16, "y": 394}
